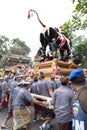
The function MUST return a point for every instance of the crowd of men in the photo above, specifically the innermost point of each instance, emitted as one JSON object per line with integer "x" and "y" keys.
{"x": 68, "y": 100}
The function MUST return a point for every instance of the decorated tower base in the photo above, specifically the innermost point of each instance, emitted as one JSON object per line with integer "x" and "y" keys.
{"x": 54, "y": 67}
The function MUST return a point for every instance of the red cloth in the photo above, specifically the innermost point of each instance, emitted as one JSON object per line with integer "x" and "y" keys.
{"x": 3, "y": 103}
{"x": 36, "y": 56}
{"x": 63, "y": 41}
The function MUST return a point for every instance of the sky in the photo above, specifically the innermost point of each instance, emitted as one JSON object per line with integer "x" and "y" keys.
{"x": 15, "y": 24}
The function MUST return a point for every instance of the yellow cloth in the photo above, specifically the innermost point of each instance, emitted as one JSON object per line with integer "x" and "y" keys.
{"x": 21, "y": 117}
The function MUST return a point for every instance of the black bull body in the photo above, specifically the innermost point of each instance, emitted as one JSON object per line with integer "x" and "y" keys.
{"x": 49, "y": 37}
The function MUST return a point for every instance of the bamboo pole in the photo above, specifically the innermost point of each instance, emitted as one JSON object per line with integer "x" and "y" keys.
{"x": 44, "y": 98}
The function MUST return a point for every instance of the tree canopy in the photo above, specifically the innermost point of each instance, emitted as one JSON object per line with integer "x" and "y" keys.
{"x": 80, "y": 14}
{"x": 80, "y": 49}
{"x": 21, "y": 43}
{"x": 78, "y": 20}
{"x": 5, "y": 44}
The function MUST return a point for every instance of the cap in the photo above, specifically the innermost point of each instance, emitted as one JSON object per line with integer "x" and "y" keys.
{"x": 26, "y": 83}
{"x": 20, "y": 83}
{"x": 24, "y": 75}
{"x": 6, "y": 77}
{"x": 76, "y": 73}
{"x": 7, "y": 69}
{"x": 1, "y": 78}
{"x": 17, "y": 76}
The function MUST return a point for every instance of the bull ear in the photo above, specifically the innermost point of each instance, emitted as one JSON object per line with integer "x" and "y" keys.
{"x": 28, "y": 16}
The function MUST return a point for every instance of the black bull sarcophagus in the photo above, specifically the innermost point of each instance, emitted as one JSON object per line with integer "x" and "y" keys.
{"x": 54, "y": 39}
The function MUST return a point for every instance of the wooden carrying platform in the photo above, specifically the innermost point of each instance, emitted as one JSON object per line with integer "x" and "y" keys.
{"x": 47, "y": 68}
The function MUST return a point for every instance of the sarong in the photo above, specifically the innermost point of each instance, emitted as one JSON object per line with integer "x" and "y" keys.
{"x": 65, "y": 126}
{"x": 10, "y": 110}
{"x": 38, "y": 110}
{"x": 21, "y": 117}
{"x": 4, "y": 102}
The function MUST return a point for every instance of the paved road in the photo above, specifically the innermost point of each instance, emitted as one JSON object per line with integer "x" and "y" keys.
{"x": 34, "y": 126}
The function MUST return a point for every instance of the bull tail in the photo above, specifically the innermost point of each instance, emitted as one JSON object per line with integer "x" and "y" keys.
{"x": 37, "y": 17}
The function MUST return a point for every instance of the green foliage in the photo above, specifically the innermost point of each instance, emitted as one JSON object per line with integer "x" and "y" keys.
{"x": 81, "y": 49}
{"x": 78, "y": 22}
{"x": 5, "y": 44}
{"x": 79, "y": 18}
{"x": 67, "y": 29}
{"x": 22, "y": 44}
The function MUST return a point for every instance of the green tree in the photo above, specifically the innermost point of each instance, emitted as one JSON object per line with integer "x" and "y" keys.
{"x": 81, "y": 49}
{"x": 67, "y": 29}
{"x": 4, "y": 45}
{"x": 22, "y": 44}
{"x": 78, "y": 20}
